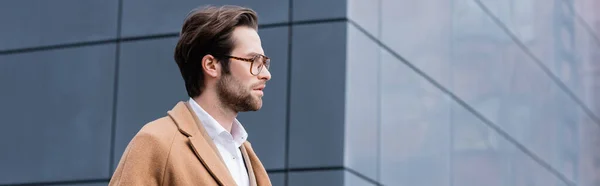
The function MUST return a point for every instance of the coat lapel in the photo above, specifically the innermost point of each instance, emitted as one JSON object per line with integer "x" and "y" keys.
{"x": 260, "y": 174}
{"x": 201, "y": 143}
{"x": 251, "y": 176}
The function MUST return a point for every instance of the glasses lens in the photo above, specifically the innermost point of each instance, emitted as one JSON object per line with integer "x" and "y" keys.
{"x": 257, "y": 65}
{"x": 267, "y": 63}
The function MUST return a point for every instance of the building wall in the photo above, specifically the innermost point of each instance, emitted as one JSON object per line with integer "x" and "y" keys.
{"x": 364, "y": 92}
{"x": 472, "y": 92}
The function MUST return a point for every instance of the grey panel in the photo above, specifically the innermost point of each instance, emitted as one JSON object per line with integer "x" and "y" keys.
{"x": 149, "y": 85}
{"x": 589, "y": 154}
{"x": 415, "y": 114}
{"x": 317, "y": 9}
{"x": 502, "y": 82}
{"x": 361, "y": 148}
{"x": 351, "y": 179}
{"x": 316, "y": 178}
{"x": 494, "y": 161}
{"x": 144, "y": 17}
{"x": 466, "y": 52}
{"x": 415, "y": 139}
{"x": 588, "y": 11}
{"x": 317, "y": 97}
{"x": 277, "y": 179}
{"x": 590, "y": 77}
{"x": 562, "y": 43}
{"x": 591, "y": 80}
{"x": 39, "y": 22}
{"x": 577, "y": 50}
{"x": 425, "y": 44}
{"x": 366, "y": 13}
{"x": 267, "y": 127}
{"x": 57, "y": 112}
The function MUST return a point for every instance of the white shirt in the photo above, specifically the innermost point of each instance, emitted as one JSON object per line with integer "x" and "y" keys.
{"x": 227, "y": 143}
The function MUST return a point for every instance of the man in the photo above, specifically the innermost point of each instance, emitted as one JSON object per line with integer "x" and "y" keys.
{"x": 200, "y": 142}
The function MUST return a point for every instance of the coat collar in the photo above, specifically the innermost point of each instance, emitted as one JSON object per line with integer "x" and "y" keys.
{"x": 188, "y": 124}
{"x": 214, "y": 129}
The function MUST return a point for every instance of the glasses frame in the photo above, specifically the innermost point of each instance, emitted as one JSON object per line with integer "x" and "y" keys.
{"x": 265, "y": 63}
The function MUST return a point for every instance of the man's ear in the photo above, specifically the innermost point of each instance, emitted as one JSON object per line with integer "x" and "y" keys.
{"x": 211, "y": 66}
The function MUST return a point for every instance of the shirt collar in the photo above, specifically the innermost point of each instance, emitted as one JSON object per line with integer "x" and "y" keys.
{"x": 215, "y": 130}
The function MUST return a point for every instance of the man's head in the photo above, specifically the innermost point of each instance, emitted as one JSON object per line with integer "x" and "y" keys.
{"x": 219, "y": 53}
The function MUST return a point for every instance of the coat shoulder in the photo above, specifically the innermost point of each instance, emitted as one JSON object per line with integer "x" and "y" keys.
{"x": 158, "y": 133}
{"x": 160, "y": 128}
{"x": 144, "y": 159}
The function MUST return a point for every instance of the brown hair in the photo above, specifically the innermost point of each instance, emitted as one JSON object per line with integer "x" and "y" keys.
{"x": 207, "y": 30}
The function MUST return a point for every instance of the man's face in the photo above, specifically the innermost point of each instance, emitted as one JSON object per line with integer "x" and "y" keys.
{"x": 240, "y": 90}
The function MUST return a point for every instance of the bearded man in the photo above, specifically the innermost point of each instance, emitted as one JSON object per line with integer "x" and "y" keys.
{"x": 200, "y": 141}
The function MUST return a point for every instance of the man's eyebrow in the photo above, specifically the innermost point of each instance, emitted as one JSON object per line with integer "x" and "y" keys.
{"x": 253, "y": 54}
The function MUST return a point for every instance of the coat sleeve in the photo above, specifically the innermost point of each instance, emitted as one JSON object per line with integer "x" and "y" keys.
{"x": 143, "y": 162}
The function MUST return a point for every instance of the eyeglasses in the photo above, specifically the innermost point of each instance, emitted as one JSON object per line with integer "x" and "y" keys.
{"x": 258, "y": 62}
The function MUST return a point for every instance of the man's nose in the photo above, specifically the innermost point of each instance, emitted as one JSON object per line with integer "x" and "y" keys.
{"x": 265, "y": 74}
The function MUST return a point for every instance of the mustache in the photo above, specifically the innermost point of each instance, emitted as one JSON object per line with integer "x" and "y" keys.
{"x": 259, "y": 84}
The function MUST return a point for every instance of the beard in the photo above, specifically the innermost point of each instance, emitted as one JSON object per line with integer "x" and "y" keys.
{"x": 235, "y": 96}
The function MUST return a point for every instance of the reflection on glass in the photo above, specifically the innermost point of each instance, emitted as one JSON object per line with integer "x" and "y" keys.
{"x": 464, "y": 50}
{"x": 496, "y": 78}
{"x": 414, "y": 128}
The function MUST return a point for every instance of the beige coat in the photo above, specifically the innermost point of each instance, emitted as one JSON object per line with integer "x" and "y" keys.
{"x": 174, "y": 150}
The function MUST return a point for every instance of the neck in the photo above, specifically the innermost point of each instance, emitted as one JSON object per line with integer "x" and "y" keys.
{"x": 213, "y": 106}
